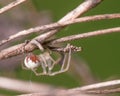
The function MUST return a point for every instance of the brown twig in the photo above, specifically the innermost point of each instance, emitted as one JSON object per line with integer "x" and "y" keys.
{"x": 45, "y": 90}
{"x": 90, "y": 89}
{"x": 100, "y": 85}
{"x": 53, "y": 26}
{"x": 11, "y": 5}
{"x": 77, "y": 12}
{"x": 105, "y": 91}
{"x": 18, "y": 49}
{"x": 85, "y": 35}
{"x": 24, "y": 86}
{"x": 87, "y": 90}
{"x": 98, "y": 88}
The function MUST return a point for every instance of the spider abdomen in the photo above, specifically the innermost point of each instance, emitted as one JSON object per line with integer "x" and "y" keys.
{"x": 31, "y": 61}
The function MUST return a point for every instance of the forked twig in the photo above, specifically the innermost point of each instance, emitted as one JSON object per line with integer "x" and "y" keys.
{"x": 53, "y": 26}
{"x": 77, "y": 12}
{"x": 70, "y": 18}
{"x": 18, "y": 49}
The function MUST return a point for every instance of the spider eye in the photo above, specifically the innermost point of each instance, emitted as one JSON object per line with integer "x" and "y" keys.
{"x": 31, "y": 61}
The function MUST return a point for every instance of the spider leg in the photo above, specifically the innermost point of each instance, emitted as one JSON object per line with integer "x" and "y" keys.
{"x": 63, "y": 61}
{"x": 59, "y": 61}
{"x": 52, "y": 64}
{"x": 43, "y": 65}
{"x": 63, "y": 68}
{"x": 68, "y": 63}
{"x": 38, "y": 74}
{"x": 23, "y": 66}
{"x": 50, "y": 67}
{"x": 49, "y": 61}
{"x": 41, "y": 73}
{"x": 63, "y": 64}
{"x": 36, "y": 43}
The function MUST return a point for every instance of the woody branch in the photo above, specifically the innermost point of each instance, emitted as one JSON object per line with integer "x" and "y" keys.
{"x": 11, "y": 5}
{"x": 88, "y": 90}
{"x": 85, "y": 6}
{"x": 18, "y": 49}
{"x": 107, "y": 87}
{"x": 53, "y": 26}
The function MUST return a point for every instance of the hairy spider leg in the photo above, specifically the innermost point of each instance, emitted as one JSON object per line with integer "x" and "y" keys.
{"x": 68, "y": 62}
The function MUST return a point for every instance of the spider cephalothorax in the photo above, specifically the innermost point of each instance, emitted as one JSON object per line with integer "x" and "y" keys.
{"x": 46, "y": 61}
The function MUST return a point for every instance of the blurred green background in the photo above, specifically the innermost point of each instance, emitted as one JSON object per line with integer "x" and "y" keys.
{"x": 101, "y": 53}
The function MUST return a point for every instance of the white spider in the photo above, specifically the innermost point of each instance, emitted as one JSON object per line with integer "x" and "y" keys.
{"x": 44, "y": 60}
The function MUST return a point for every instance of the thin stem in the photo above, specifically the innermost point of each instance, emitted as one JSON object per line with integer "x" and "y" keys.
{"x": 18, "y": 49}
{"x": 11, "y": 5}
{"x": 104, "y": 91}
{"x": 88, "y": 90}
{"x": 54, "y": 26}
{"x": 85, "y": 35}
{"x": 99, "y": 88}
{"x": 99, "y": 85}
{"x": 82, "y": 8}
{"x": 24, "y": 86}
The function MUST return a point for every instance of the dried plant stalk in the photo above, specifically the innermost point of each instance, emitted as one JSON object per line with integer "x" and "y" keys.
{"x": 11, "y": 5}
{"x": 53, "y": 26}
{"x": 18, "y": 49}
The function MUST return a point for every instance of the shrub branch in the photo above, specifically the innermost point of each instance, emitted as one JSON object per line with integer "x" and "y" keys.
{"x": 75, "y": 13}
